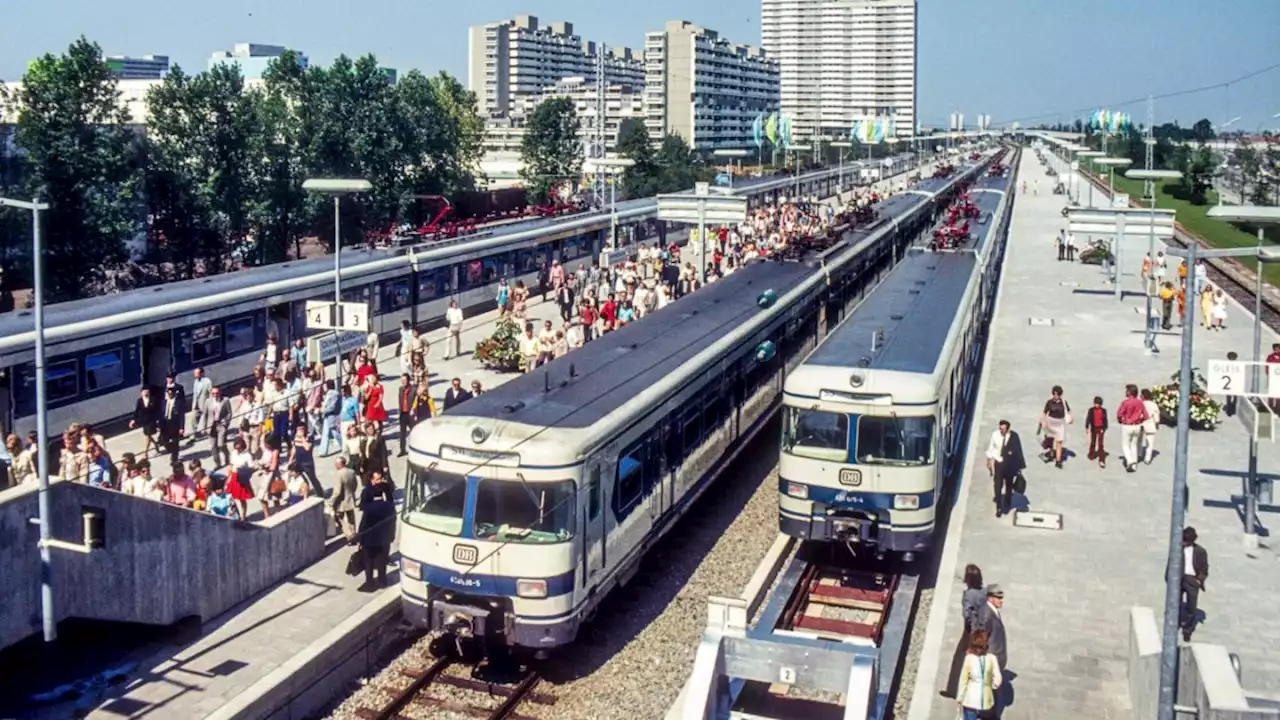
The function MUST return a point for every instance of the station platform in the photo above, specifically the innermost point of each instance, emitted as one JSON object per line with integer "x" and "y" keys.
{"x": 254, "y": 655}
{"x": 1068, "y": 592}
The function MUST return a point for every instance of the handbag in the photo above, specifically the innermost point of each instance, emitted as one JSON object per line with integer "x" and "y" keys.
{"x": 1020, "y": 484}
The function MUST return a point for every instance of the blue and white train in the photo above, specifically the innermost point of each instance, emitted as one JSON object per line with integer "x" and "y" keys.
{"x": 100, "y": 351}
{"x": 873, "y": 418}
{"x": 525, "y": 506}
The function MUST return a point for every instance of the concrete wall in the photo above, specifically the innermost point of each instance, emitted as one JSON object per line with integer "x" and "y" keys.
{"x": 160, "y": 564}
{"x": 1206, "y": 679}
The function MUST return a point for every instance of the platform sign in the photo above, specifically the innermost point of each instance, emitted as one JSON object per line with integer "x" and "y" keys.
{"x": 1226, "y": 377}
{"x": 1120, "y": 200}
{"x": 352, "y": 316}
{"x": 330, "y": 345}
{"x": 1273, "y": 380}
{"x": 1075, "y": 165}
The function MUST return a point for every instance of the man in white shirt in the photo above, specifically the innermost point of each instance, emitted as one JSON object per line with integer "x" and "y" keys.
{"x": 453, "y": 318}
{"x": 405, "y": 347}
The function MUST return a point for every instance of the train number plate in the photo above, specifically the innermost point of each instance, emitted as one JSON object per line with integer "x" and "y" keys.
{"x": 850, "y": 477}
{"x": 466, "y": 554}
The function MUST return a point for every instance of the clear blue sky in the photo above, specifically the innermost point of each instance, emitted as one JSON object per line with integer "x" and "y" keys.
{"x": 1013, "y": 59}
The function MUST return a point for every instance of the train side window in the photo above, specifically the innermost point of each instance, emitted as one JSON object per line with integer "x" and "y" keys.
{"x": 593, "y": 494}
{"x": 61, "y": 382}
{"x": 206, "y": 343}
{"x": 473, "y": 274}
{"x": 525, "y": 262}
{"x": 629, "y": 486}
{"x": 427, "y": 286}
{"x": 399, "y": 294}
{"x": 692, "y": 429}
{"x": 104, "y": 370}
{"x": 239, "y": 335}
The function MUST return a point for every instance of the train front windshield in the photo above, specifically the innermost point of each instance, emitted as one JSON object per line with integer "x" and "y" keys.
{"x": 816, "y": 434}
{"x": 504, "y": 510}
{"x": 895, "y": 440}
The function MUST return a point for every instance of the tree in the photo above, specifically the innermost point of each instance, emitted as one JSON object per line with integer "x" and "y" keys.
{"x": 641, "y": 179}
{"x": 443, "y": 133}
{"x": 1202, "y": 130}
{"x": 199, "y": 182}
{"x": 278, "y": 216}
{"x": 81, "y": 159}
{"x": 1196, "y": 164}
{"x": 680, "y": 165}
{"x": 551, "y": 150}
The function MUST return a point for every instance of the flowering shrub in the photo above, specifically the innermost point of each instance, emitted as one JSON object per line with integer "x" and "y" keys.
{"x": 501, "y": 350}
{"x": 1096, "y": 253}
{"x": 1204, "y": 410}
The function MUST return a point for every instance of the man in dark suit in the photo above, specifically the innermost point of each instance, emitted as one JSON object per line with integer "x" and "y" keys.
{"x": 407, "y": 393}
{"x": 1195, "y": 570}
{"x": 1006, "y": 462}
{"x": 375, "y": 455}
{"x": 173, "y": 422}
{"x": 991, "y": 620}
{"x": 564, "y": 297}
{"x": 455, "y": 394}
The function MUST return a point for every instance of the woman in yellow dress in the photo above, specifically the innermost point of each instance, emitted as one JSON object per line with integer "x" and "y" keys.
{"x": 1206, "y": 306}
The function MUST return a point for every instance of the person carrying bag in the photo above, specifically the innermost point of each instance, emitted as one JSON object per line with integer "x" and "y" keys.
{"x": 980, "y": 678}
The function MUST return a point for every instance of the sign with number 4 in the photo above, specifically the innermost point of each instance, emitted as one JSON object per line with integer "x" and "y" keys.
{"x": 1226, "y": 377}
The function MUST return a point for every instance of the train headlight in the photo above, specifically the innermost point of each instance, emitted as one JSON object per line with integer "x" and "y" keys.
{"x": 797, "y": 490}
{"x": 906, "y": 502}
{"x": 531, "y": 588}
{"x": 412, "y": 569}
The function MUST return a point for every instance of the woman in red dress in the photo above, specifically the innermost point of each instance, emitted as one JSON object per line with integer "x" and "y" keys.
{"x": 374, "y": 411}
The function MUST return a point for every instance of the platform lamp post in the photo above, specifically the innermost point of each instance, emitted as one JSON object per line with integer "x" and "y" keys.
{"x": 1174, "y": 569}
{"x": 1089, "y": 155}
{"x": 795, "y": 154}
{"x": 48, "y": 620}
{"x": 337, "y": 187}
{"x": 1073, "y": 192}
{"x": 1149, "y": 337}
{"x": 1111, "y": 164}
{"x": 840, "y": 146}
{"x": 1261, "y": 216}
{"x": 734, "y": 159}
{"x": 611, "y": 167}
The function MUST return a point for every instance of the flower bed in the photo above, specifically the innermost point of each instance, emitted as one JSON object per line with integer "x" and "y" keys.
{"x": 1205, "y": 412}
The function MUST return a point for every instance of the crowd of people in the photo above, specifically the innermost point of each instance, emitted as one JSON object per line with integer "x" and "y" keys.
{"x": 595, "y": 300}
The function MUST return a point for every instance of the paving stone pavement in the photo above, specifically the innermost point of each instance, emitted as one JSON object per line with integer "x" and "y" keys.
{"x": 1068, "y": 592}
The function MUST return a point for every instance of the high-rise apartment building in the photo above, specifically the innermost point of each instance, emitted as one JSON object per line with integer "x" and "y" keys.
{"x": 252, "y": 58}
{"x": 621, "y": 102}
{"x": 147, "y": 67}
{"x": 511, "y": 63}
{"x": 843, "y": 60}
{"x": 704, "y": 88}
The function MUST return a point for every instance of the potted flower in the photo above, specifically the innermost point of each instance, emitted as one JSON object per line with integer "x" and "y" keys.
{"x": 1204, "y": 410}
{"x": 501, "y": 350}
{"x": 1096, "y": 254}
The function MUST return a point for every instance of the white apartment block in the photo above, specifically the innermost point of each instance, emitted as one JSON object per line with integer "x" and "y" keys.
{"x": 511, "y": 63}
{"x": 705, "y": 88}
{"x": 504, "y": 135}
{"x": 843, "y": 60}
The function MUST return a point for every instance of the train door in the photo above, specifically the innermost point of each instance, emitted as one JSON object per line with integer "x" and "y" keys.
{"x": 157, "y": 358}
{"x": 280, "y": 323}
{"x": 593, "y": 524}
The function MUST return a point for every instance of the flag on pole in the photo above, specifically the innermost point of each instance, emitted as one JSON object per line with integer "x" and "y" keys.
{"x": 757, "y": 131}
{"x": 771, "y": 129}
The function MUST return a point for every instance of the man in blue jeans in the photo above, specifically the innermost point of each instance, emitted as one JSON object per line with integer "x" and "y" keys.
{"x": 329, "y": 421}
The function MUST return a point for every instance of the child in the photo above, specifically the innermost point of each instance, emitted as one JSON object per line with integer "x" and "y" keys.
{"x": 1095, "y": 423}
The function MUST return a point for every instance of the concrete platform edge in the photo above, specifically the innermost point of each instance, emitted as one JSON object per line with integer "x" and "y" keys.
{"x": 320, "y": 672}
{"x": 926, "y": 686}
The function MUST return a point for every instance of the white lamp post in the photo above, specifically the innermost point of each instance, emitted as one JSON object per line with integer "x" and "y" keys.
{"x": 337, "y": 187}
{"x": 1260, "y": 216}
{"x": 731, "y": 154}
{"x": 1150, "y": 336}
{"x": 1090, "y": 155}
{"x": 611, "y": 166}
{"x": 48, "y": 621}
{"x": 842, "y": 145}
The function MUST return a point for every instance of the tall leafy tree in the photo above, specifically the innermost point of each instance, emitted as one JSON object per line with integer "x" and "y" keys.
{"x": 551, "y": 150}
{"x": 278, "y": 215}
{"x": 442, "y": 133}
{"x": 81, "y": 158}
{"x": 199, "y": 178}
{"x": 641, "y": 179}
{"x": 680, "y": 165}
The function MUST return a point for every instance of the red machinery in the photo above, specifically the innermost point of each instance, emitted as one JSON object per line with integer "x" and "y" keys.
{"x": 944, "y": 170}
{"x": 975, "y": 157}
{"x": 950, "y": 235}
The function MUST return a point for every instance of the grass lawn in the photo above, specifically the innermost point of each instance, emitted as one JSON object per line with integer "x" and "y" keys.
{"x": 1217, "y": 233}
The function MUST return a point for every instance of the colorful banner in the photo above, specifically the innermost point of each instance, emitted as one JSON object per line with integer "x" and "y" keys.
{"x": 1109, "y": 121}
{"x": 872, "y": 131}
{"x": 785, "y": 131}
{"x": 757, "y": 131}
{"x": 771, "y": 129}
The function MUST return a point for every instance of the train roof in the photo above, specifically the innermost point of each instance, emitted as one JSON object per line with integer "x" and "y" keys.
{"x": 618, "y": 366}
{"x": 915, "y": 307}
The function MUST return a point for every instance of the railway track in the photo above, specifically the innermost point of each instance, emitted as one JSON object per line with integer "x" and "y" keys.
{"x": 1234, "y": 278}
{"x": 443, "y": 687}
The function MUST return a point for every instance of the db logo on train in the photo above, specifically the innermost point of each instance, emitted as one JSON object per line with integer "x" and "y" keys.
{"x": 850, "y": 477}
{"x": 466, "y": 554}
